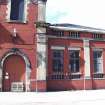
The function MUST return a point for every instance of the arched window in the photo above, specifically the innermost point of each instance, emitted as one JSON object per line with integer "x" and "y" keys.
{"x": 17, "y": 10}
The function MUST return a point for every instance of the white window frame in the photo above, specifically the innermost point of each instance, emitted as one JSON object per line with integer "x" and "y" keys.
{"x": 96, "y": 49}
{"x": 9, "y": 11}
{"x": 75, "y": 49}
{"x": 57, "y": 47}
{"x": 57, "y": 58}
{"x": 74, "y": 34}
{"x": 97, "y": 36}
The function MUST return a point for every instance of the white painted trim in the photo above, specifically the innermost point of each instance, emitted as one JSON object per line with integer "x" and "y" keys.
{"x": 25, "y": 10}
{"x": 41, "y": 11}
{"x": 102, "y": 71}
{"x": 87, "y": 60}
{"x": 99, "y": 78}
{"x": 99, "y": 73}
{"x": 57, "y": 48}
{"x": 41, "y": 62}
{"x": 97, "y": 49}
{"x": 74, "y": 48}
{"x": 8, "y": 10}
{"x": 78, "y": 29}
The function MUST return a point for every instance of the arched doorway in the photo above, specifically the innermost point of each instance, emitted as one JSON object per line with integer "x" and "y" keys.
{"x": 14, "y": 70}
{"x": 17, "y": 64}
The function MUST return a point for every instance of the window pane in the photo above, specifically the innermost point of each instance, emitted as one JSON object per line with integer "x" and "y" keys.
{"x": 99, "y": 54}
{"x": 17, "y": 10}
{"x": 57, "y": 60}
{"x": 74, "y": 34}
{"x": 21, "y": 10}
{"x": 95, "y": 54}
{"x": 57, "y": 54}
{"x": 74, "y": 54}
{"x": 97, "y": 61}
{"x": 74, "y": 61}
{"x": 14, "y": 10}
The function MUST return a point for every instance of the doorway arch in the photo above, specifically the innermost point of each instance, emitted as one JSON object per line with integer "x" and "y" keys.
{"x": 15, "y": 55}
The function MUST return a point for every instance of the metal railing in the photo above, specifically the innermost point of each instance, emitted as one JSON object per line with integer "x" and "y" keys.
{"x": 63, "y": 76}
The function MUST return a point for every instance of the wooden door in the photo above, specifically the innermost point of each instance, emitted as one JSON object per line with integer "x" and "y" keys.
{"x": 13, "y": 71}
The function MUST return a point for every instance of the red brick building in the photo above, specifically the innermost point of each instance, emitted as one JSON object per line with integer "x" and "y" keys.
{"x": 18, "y": 44}
{"x": 36, "y": 56}
{"x": 76, "y": 57}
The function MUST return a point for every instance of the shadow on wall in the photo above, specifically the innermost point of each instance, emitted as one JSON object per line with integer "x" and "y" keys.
{"x": 3, "y": 2}
{"x": 6, "y": 36}
{"x": 74, "y": 82}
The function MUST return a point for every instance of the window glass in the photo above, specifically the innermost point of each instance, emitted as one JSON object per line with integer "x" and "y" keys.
{"x": 97, "y": 61}
{"x": 74, "y": 61}
{"x": 74, "y": 34}
{"x": 97, "y": 36}
{"x": 57, "y": 60}
{"x": 17, "y": 10}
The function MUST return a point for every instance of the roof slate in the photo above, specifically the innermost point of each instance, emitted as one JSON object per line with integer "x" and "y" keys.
{"x": 75, "y": 27}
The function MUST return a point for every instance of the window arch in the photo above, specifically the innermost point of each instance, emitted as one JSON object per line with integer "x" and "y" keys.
{"x": 15, "y": 51}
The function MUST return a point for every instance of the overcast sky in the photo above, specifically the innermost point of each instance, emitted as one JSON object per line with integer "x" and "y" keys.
{"x": 83, "y": 12}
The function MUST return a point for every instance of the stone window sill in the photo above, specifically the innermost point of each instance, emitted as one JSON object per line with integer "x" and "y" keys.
{"x": 75, "y": 75}
{"x": 78, "y": 73}
{"x": 17, "y": 21}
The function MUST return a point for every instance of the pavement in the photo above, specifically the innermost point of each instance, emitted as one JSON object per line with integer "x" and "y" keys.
{"x": 82, "y": 97}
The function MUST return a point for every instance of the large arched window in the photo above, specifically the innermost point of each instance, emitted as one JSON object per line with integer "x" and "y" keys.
{"x": 17, "y": 10}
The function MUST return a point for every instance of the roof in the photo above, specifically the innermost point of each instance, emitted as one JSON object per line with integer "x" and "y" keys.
{"x": 75, "y": 27}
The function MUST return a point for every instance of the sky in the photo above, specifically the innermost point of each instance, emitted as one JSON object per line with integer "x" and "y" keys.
{"x": 82, "y": 12}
